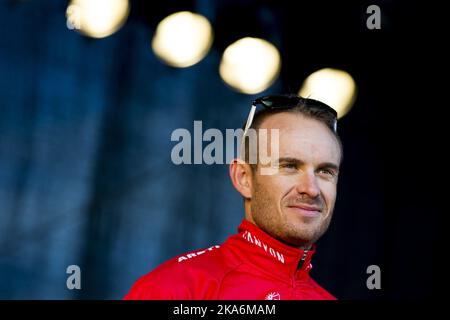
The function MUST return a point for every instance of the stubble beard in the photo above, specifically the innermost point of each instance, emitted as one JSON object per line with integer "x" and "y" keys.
{"x": 295, "y": 231}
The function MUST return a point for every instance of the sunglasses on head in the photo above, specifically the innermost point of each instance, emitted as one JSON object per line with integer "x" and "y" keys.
{"x": 282, "y": 102}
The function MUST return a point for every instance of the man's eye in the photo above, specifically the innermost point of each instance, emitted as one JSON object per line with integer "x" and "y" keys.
{"x": 327, "y": 172}
{"x": 289, "y": 166}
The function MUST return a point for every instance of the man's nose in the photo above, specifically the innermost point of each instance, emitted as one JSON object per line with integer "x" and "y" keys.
{"x": 307, "y": 184}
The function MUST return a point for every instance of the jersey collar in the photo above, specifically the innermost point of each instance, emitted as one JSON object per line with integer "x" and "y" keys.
{"x": 263, "y": 251}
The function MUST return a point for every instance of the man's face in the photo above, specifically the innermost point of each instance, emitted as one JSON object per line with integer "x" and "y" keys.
{"x": 295, "y": 205}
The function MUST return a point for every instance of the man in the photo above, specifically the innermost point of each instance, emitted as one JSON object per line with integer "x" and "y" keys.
{"x": 286, "y": 212}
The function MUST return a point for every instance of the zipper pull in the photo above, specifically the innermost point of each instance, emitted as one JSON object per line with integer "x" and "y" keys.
{"x": 302, "y": 260}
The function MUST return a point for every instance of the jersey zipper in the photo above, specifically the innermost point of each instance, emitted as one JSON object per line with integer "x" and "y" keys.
{"x": 300, "y": 265}
{"x": 302, "y": 260}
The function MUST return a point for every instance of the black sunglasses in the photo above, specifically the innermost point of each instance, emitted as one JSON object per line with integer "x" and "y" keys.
{"x": 280, "y": 102}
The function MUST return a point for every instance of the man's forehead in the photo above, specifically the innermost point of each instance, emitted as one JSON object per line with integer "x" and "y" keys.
{"x": 288, "y": 121}
{"x": 303, "y": 137}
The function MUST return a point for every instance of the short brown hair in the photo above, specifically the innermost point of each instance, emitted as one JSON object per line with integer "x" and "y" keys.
{"x": 303, "y": 107}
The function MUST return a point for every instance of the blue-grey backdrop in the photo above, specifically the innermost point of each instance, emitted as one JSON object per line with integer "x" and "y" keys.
{"x": 85, "y": 125}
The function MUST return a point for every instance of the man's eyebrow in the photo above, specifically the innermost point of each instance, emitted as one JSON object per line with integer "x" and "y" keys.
{"x": 329, "y": 165}
{"x": 292, "y": 160}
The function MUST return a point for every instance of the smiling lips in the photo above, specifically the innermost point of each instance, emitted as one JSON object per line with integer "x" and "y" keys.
{"x": 307, "y": 210}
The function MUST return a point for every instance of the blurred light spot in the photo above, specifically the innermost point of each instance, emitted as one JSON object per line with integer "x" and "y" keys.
{"x": 97, "y": 18}
{"x": 182, "y": 39}
{"x": 250, "y": 65}
{"x": 332, "y": 86}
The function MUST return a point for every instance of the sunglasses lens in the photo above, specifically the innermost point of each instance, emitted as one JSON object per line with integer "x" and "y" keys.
{"x": 279, "y": 102}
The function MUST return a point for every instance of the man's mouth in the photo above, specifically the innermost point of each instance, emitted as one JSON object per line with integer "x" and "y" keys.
{"x": 306, "y": 210}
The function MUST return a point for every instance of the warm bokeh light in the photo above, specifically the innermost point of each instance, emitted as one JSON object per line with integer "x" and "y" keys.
{"x": 250, "y": 65}
{"x": 332, "y": 86}
{"x": 97, "y": 18}
{"x": 182, "y": 39}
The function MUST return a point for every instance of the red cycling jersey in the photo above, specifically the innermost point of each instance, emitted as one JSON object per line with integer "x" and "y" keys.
{"x": 249, "y": 265}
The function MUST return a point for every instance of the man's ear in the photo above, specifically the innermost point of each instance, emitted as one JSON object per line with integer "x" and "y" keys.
{"x": 241, "y": 175}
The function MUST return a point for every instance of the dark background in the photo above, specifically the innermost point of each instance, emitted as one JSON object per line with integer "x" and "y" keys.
{"x": 85, "y": 170}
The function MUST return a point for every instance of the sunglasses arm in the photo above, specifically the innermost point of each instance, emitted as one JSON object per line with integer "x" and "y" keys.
{"x": 247, "y": 126}
{"x": 249, "y": 120}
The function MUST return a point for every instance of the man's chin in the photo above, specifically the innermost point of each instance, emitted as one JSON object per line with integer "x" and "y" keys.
{"x": 304, "y": 233}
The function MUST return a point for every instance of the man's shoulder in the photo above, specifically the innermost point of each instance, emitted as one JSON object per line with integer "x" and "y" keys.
{"x": 209, "y": 260}
{"x": 181, "y": 276}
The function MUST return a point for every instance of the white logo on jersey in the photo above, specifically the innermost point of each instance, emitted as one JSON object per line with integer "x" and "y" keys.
{"x": 256, "y": 241}
{"x": 273, "y": 296}
{"x": 194, "y": 254}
